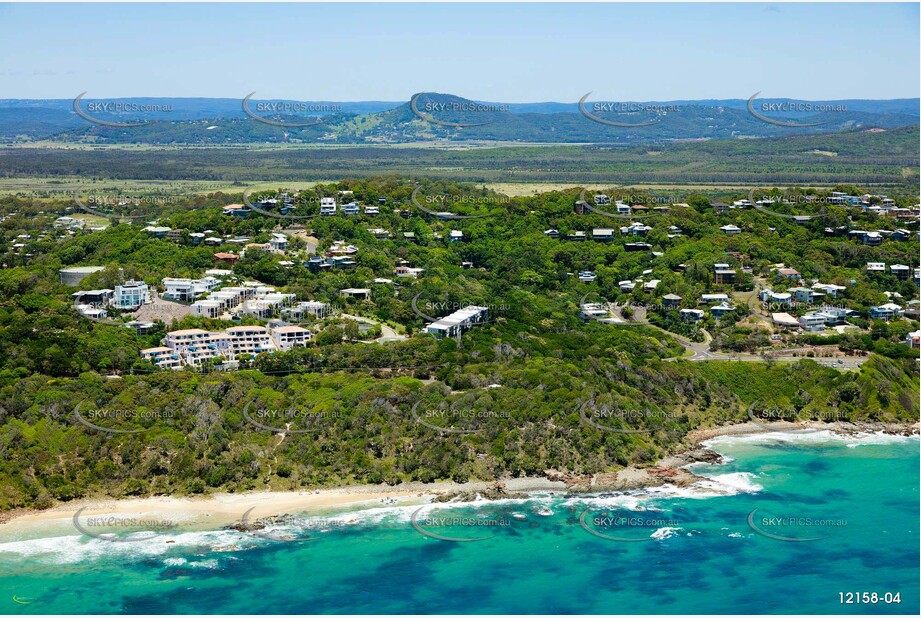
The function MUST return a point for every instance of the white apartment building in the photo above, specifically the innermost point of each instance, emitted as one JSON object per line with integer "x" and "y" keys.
{"x": 163, "y": 357}
{"x": 249, "y": 340}
{"x": 194, "y": 346}
{"x": 228, "y": 298}
{"x": 266, "y": 306}
{"x": 131, "y": 295}
{"x": 301, "y": 309}
{"x": 188, "y": 289}
{"x": 287, "y": 337}
{"x": 812, "y": 322}
{"x": 208, "y": 308}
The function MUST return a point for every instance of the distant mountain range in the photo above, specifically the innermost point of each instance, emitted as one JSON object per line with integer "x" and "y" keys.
{"x": 433, "y": 116}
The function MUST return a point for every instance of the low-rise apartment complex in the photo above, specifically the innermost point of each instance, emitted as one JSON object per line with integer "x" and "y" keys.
{"x": 194, "y": 346}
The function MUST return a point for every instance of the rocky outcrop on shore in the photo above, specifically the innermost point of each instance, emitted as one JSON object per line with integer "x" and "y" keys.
{"x": 496, "y": 491}
{"x": 258, "y": 524}
{"x": 626, "y": 479}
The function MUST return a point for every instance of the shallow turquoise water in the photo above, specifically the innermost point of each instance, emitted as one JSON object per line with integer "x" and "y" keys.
{"x": 697, "y": 552}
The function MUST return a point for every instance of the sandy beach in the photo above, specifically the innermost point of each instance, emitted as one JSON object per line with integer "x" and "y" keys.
{"x": 223, "y": 509}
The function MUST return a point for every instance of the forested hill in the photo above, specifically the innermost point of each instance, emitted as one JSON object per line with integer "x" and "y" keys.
{"x": 436, "y": 117}
{"x": 517, "y": 386}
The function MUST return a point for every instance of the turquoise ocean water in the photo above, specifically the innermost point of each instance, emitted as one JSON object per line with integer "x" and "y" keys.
{"x": 831, "y": 515}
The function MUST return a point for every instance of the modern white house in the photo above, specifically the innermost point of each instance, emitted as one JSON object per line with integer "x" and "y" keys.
{"x": 602, "y": 234}
{"x": 131, "y": 295}
{"x": 692, "y": 315}
{"x": 781, "y": 298}
{"x": 91, "y": 312}
{"x": 327, "y": 205}
{"x": 459, "y": 321}
{"x": 714, "y": 298}
{"x": 593, "y": 311}
{"x": 300, "y": 310}
{"x": 278, "y": 243}
{"x": 188, "y": 289}
{"x": 812, "y": 322}
{"x": 829, "y": 289}
{"x": 806, "y": 295}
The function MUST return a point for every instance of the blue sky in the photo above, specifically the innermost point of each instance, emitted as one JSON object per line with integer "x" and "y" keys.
{"x": 495, "y": 52}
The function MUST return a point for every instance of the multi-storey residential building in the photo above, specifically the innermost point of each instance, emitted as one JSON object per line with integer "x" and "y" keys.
{"x": 208, "y": 308}
{"x": 805, "y": 295}
{"x": 287, "y": 337}
{"x": 812, "y": 322}
{"x": 327, "y": 206}
{"x": 163, "y": 357}
{"x": 278, "y": 243}
{"x": 131, "y": 295}
{"x": 195, "y": 346}
{"x": 188, "y": 289}
{"x": 301, "y": 309}
{"x": 901, "y": 271}
{"x": 249, "y": 339}
{"x": 723, "y": 275}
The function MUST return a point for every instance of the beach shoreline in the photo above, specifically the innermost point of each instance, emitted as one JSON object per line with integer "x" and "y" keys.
{"x": 220, "y": 510}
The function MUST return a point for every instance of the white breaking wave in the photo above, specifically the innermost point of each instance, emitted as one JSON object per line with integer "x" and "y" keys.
{"x": 810, "y": 436}
{"x": 732, "y": 483}
{"x": 75, "y": 549}
{"x": 664, "y": 533}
